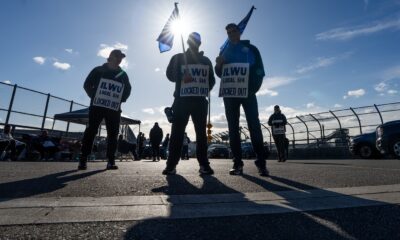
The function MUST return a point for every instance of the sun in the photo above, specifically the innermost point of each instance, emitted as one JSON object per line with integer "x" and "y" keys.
{"x": 179, "y": 27}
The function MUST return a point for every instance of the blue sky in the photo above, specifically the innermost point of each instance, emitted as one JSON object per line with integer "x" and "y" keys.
{"x": 318, "y": 54}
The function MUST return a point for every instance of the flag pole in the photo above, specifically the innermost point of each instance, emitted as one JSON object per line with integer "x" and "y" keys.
{"x": 183, "y": 43}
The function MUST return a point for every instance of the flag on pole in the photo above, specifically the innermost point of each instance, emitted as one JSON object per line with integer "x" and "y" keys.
{"x": 242, "y": 25}
{"x": 166, "y": 38}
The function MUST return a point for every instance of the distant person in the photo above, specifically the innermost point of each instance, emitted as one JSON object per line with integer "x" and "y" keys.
{"x": 125, "y": 147}
{"x": 107, "y": 87}
{"x": 193, "y": 75}
{"x": 278, "y": 122}
{"x": 139, "y": 145}
{"x": 46, "y": 146}
{"x": 141, "y": 139}
{"x": 3, "y": 147}
{"x": 241, "y": 70}
{"x": 165, "y": 146}
{"x": 185, "y": 147}
{"x": 9, "y": 143}
{"x": 156, "y": 136}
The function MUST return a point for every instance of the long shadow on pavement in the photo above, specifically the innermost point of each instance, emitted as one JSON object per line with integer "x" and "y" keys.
{"x": 321, "y": 218}
{"x": 44, "y": 184}
{"x": 294, "y": 225}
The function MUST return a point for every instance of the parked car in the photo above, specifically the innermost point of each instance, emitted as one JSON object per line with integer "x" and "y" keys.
{"x": 247, "y": 150}
{"x": 388, "y": 138}
{"x": 364, "y": 145}
{"x": 218, "y": 151}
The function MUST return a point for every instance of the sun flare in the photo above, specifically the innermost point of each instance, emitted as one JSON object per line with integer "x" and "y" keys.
{"x": 179, "y": 27}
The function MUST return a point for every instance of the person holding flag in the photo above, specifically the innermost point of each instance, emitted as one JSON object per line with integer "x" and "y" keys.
{"x": 240, "y": 67}
{"x": 193, "y": 75}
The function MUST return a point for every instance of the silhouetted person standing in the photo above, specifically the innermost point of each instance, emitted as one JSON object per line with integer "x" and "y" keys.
{"x": 278, "y": 122}
{"x": 141, "y": 144}
{"x": 107, "y": 87}
{"x": 193, "y": 75}
{"x": 165, "y": 146}
{"x": 185, "y": 147}
{"x": 241, "y": 71}
{"x": 156, "y": 135}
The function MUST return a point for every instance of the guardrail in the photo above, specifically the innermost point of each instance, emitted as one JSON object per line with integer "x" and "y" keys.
{"x": 331, "y": 127}
{"x": 39, "y": 113}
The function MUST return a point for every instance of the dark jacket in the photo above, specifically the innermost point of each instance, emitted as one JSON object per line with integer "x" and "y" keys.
{"x": 174, "y": 72}
{"x": 93, "y": 79}
{"x": 165, "y": 142}
{"x": 277, "y": 116}
{"x": 257, "y": 72}
{"x": 156, "y": 135}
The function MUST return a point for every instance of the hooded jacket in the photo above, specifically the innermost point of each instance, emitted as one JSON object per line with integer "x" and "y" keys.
{"x": 257, "y": 72}
{"x": 174, "y": 72}
{"x": 93, "y": 79}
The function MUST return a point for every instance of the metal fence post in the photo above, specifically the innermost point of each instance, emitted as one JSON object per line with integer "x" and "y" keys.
{"x": 340, "y": 124}
{"x": 358, "y": 119}
{"x": 320, "y": 127}
{"x": 11, "y": 103}
{"x": 45, "y": 110}
{"x": 294, "y": 139}
{"x": 308, "y": 137}
{"x": 70, "y": 110}
{"x": 270, "y": 135}
{"x": 380, "y": 115}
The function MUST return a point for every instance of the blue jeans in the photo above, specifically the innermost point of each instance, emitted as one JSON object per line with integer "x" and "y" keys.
{"x": 232, "y": 112}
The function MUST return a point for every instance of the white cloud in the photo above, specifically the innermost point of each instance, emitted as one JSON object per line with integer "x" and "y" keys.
{"x": 288, "y": 111}
{"x": 277, "y": 81}
{"x": 157, "y": 69}
{"x": 219, "y": 122}
{"x": 105, "y": 51}
{"x": 322, "y": 62}
{"x": 270, "y": 83}
{"x": 392, "y": 91}
{"x": 380, "y": 87}
{"x": 355, "y": 93}
{"x": 39, "y": 60}
{"x": 161, "y": 109}
{"x": 62, "y": 66}
{"x": 71, "y": 51}
{"x": 7, "y": 81}
{"x": 148, "y": 110}
{"x": 352, "y": 32}
{"x": 265, "y": 91}
{"x": 319, "y": 63}
{"x": 310, "y": 105}
{"x": 337, "y": 105}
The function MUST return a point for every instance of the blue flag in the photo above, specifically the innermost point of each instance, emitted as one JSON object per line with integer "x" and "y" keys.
{"x": 242, "y": 25}
{"x": 166, "y": 38}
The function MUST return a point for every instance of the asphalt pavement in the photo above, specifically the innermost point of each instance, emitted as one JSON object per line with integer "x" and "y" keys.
{"x": 302, "y": 199}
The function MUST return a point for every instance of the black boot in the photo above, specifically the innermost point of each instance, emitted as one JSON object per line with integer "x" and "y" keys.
{"x": 111, "y": 165}
{"x": 82, "y": 163}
